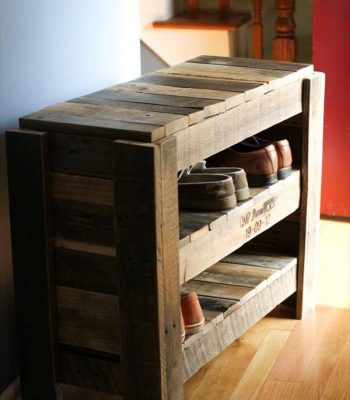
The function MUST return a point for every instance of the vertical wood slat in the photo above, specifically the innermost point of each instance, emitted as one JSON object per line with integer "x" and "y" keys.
{"x": 313, "y": 100}
{"x": 30, "y": 230}
{"x": 147, "y": 258}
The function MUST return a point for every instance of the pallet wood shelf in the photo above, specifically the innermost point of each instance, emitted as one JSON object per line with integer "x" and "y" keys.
{"x": 234, "y": 294}
{"x": 205, "y": 238}
{"x": 100, "y": 248}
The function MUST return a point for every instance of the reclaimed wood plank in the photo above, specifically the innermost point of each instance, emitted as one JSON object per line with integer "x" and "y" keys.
{"x": 194, "y": 114}
{"x": 150, "y": 295}
{"x": 232, "y": 99}
{"x": 215, "y": 134}
{"x": 253, "y": 63}
{"x": 82, "y": 189}
{"x": 92, "y": 372}
{"x": 273, "y": 78}
{"x": 250, "y": 89}
{"x": 209, "y": 106}
{"x": 87, "y": 271}
{"x": 27, "y": 162}
{"x": 245, "y": 223}
{"x": 88, "y": 126}
{"x": 238, "y": 322}
{"x": 313, "y": 106}
{"x": 88, "y": 320}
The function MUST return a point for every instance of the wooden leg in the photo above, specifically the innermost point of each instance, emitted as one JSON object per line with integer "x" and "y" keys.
{"x": 313, "y": 96}
{"x": 192, "y": 8}
{"x": 147, "y": 236}
{"x": 27, "y": 171}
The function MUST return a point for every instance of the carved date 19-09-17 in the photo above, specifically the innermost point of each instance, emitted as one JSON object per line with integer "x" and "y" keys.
{"x": 256, "y": 218}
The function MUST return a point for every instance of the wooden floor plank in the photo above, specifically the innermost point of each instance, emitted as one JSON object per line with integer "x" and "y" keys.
{"x": 306, "y": 337}
{"x": 338, "y": 385}
{"x": 278, "y": 390}
{"x": 254, "y": 377}
{"x": 327, "y": 355}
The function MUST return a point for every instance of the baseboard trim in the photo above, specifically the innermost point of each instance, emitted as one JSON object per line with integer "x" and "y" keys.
{"x": 13, "y": 392}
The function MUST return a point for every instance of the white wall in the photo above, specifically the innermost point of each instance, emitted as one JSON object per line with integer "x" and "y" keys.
{"x": 50, "y": 51}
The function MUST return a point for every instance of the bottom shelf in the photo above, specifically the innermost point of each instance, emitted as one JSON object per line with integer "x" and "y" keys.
{"x": 235, "y": 293}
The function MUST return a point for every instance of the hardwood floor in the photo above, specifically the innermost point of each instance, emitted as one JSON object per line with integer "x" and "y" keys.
{"x": 284, "y": 359}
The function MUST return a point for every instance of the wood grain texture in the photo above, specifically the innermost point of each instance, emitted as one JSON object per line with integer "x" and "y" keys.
{"x": 92, "y": 372}
{"x": 231, "y": 99}
{"x": 88, "y": 320}
{"x": 278, "y": 201}
{"x": 272, "y": 78}
{"x": 313, "y": 105}
{"x": 32, "y": 261}
{"x": 214, "y": 134}
{"x": 223, "y": 334}
{"x": 260, "y": 366}
{"x": 87, "y": 271}
{"x": 251, "y": 63}
{"x": 149, "y": 291}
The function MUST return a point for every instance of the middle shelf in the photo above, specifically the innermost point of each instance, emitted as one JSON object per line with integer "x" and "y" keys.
{"x": 207, "y": 237}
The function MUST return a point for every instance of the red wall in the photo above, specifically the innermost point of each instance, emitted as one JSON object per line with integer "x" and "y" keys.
{"x": 331, "y": 54}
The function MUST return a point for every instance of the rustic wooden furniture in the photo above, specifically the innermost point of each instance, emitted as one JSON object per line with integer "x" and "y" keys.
{"x": 100, "y": 250}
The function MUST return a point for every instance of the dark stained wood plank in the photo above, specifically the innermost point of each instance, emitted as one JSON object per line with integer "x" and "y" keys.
{"x": 209, "y": 106}
{"x": 88, "y": 320}
{"x": 87, "y": 271}
{"x": 27, "y": 157}
{"x": 81, "y": 188}
{"x": 171, "y": 122}
{"x": 203, "y": 83}
{"x": 147, "y": 247}
{"x": 218, "y": 305}
{"x": 211, "y": 289}
{"x": 232, "y": 99}
{"x": 251, "y": 63}
{"x": 194, "y": 114}
{"x": 92, "y": 127}
{"x": 92, "y": 372}
{"x": 81, "y": 155}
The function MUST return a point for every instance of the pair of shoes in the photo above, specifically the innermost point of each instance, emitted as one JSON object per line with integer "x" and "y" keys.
{"x": 192, "y": 318}
{"x": 218, "y": 189}
{"x": 264, "y": 162}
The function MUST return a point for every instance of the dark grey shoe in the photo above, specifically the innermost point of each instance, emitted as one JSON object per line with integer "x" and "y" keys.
{"x": 238, "y": 176}
{"x": 207, "y": 192}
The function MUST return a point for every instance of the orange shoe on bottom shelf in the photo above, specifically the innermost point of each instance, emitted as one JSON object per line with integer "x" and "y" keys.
{"x": 192, "y": 313}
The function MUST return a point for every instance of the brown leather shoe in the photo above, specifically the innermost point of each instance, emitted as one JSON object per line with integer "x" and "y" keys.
{"x": 192, "y": 313}
{"x": 284, "y": 154}
{"x": 238, "y": 176}
{"x": 207, "y": 192}
{"x": 260, "y": 164}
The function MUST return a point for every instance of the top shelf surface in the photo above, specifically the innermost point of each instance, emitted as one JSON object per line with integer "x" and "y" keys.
{"x": 173, "y": 101}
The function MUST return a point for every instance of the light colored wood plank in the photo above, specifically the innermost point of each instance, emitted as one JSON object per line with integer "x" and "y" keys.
{"x": 260, "y": 260}
{"x": 273, "y": 78}
{"x": 82, "y": 188}
{"x": 241, "y": 227}
{"x": 221, "y": 131}
{"x": 338, "y": 385}
{"x": 313, "y": 105}
{"x": 232, "y": 99}
{"x": 253, "y": 379}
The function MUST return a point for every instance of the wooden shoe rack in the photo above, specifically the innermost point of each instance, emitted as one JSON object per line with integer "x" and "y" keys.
{"x": 101, "y": 251}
